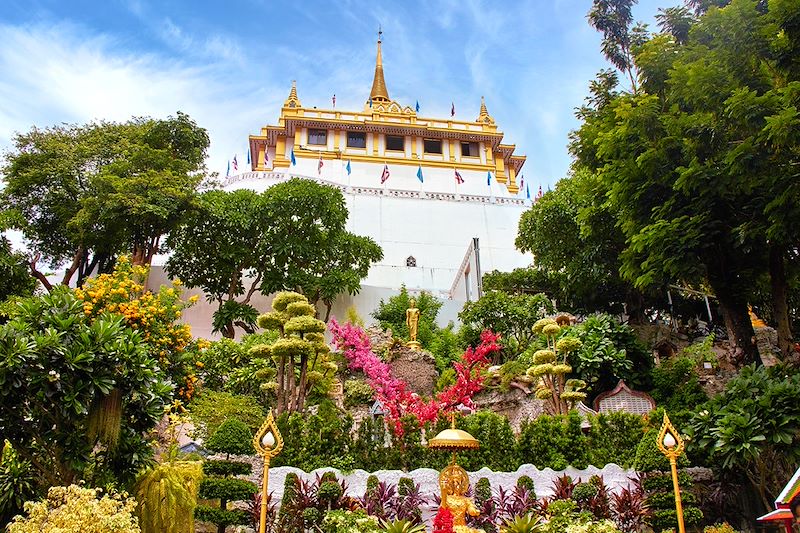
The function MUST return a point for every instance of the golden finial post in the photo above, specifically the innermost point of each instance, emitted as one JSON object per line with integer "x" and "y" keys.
{"x": 671, "y": 444}
{"x": 268, "y": 443}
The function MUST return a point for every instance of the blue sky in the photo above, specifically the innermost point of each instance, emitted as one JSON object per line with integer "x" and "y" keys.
{"x": 229, "y": 65}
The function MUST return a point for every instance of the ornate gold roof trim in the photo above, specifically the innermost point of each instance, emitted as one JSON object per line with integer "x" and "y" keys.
{"x": 379, "y": 93}
{"x": 293, "y": 100}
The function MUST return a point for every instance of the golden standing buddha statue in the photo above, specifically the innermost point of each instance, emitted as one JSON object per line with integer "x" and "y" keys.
{"x": 412, "y": 321}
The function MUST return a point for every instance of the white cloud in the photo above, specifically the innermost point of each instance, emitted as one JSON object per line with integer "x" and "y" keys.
{"x": 62, "y": 73}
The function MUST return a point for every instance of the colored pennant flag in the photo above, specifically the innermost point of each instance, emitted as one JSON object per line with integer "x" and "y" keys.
{"x": 539, "y": 195}
{"x": 459, "y": 179}
{"x": 385, "y": 173}
{"x": 452, "y": 109}
{"x": 349, "y": 170}
{"x": 489, "y": 179}
{"x": 228, "y": 172}
{"x": 266, "y": 155}
{"x": 248, "y": 156}
{"x": 417, "y": 106}
{"x": 370, "y": 102}
{"x": 319, "y": 165}
{"x": 528, "y": 191}
{"x": 419, "y": 175}
{"x": 522, "y": 183}
{"x": 235, "y": 164}
{"x": 294, "y": 161}
{"x": 334, "y": 100}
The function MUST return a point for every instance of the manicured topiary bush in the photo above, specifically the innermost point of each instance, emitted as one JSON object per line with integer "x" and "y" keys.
{"x": 232, "y": 437}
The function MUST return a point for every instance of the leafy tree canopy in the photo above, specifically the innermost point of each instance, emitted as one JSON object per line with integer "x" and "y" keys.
{"x": 83, "y": 194}
{"x": 391, "y": 314}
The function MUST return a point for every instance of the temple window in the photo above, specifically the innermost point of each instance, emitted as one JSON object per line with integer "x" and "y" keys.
{"x": 411, "y": 261}
{"x": 318, "y": 137}
{"x": 396, "y": 143}
{"x": 356, "y": 139}
{"x": 433, "y": 146}
{"x": 469, "y": 150}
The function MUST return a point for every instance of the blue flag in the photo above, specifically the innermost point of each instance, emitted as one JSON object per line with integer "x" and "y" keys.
{"x": 248, "y": 156}
{"x": 528, "y": 191}
{"x": 294, "y": 161}
{"x": 348, "y": 167}
{"x": 419, "y": 174}
{"x": 228, "y": 172}
{"x": 417, "y": 106}
{"x": 370, "y": 102}
{"x": 489, "y": 179}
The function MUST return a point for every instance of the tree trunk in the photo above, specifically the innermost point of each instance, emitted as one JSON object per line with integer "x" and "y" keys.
{"x": 740, "y": 329}
{"x": 780, "y": 308}
{"x": 634, "y": 306}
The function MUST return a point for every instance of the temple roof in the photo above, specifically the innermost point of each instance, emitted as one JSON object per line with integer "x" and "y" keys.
{"x": 379, "y": 93}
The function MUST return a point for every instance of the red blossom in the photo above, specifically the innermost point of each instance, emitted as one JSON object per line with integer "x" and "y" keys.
{"x": 393, "y": 393}
{"x": 443, "y": 521}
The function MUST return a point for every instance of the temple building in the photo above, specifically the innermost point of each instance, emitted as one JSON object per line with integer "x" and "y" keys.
{"x": 439, "y": 195}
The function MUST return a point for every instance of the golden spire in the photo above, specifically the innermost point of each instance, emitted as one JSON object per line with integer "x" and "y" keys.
{"x": 379, "y": 92}
{"x": 293, "y": 100}
{"x": 484, "y": 115}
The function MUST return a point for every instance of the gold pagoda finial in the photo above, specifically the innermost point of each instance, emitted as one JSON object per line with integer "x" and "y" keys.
{"x": 379, "y": 92}
{"x": 293, "y": 100}
{"x": 484, "y": 115}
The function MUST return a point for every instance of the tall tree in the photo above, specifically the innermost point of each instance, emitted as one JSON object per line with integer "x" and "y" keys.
{"x": 692, "y": 164}
{"x": 84, "y": 194}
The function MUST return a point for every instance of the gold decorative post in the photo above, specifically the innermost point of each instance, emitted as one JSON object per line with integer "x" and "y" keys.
{"x": 671, "y": 444}
{"x": 268, "y": 443}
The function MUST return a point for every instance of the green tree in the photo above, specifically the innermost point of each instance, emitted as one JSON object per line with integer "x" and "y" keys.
{"x": 301, "y": 355}
{"x": 217, "y": 249}
{"x": 15, "y": 279}
{"x": 510, "y": 315}
{"x": 305, "y": 246}
{"x": 232, "y": 437}
{"x": 83, "y": 194}
{"x": 391, "y": 314}
{"x": 697, "y": 162}
{"x": 58, "y": 368}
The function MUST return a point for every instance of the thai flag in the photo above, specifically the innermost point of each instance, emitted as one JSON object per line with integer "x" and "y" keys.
{"x": 540, "y": 193}
{"x": 459, "y": 179}
{"x": 385, "y": 173}
{"x": 452, "y": 109}
{"x": 319, "y": 165}
{"x": 334, "y": 100}
{"x": 235, "y": 164}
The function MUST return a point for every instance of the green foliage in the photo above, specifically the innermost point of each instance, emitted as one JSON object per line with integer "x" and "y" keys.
{"x": 752, "y": 427}
{"x": 15, "y": 278}
{"x": 349, "y": 522}
{"x": 483, "y": 491}
{"x": 489, "y": 427}
{"x": 401, "y": 526}
{"x": 511, "y": 370}
{"x": 527, "y": 483}
{"x": 357, "y": 392}
{"x": 391, "y": 314}
{"x": 232, "y": 437}
{"x": 368, "y": 450}
{"x": 302, "y": 358}
{"x": 17, "y": 484}
{"x": 87, "y": 193}
{"x": 211, "y": 408}
{"x": 226, "y": 468}
{"x": 167, "y": 497}
{"x": 528, "y": 523}
{"x": 226, "y": 488}
{"x": 222, "y": 517}
{"x": 290, "y": 517}
{"x": 614, "y": 438}
{"x": 446, "y": 347}
{"x": 609, "y": 351}
{"x": 445, "y": 379}
{"x": 553, "y": 441}
{"x": 52, "y": 350}
{"x": 510, "y": 315}
{"x": 316, "y": 441}
{"x": 676, "y": 388}
{"x": 232, "y": 313}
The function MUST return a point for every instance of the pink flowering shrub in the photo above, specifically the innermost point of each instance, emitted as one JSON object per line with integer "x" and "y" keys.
{"x": 393, "y": 393}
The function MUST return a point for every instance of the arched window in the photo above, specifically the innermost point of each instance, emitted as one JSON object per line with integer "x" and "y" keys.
{"x": 410, "y": 261}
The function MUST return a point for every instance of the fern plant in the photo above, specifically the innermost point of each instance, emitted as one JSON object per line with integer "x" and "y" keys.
{"x": 167, "y": 496}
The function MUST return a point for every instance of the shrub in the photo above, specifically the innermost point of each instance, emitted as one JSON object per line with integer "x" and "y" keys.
{"x": 349, "y": 522}
{"x": 16, "y": 483}
{"x": 526, "y": 483}
{"x": 357, "y": 392}
{"x": 167, "y": 496}
{"x": 676, "y": 388}
{"x": 553, "y": 442}
{"x": 232, "y": 437}
{"x": 614, "y": 437}
{"x": 211, "y": 408}
{"x": 226, "y": 468}
{"x": 76, "y": 509}
{"x": 316, "y": 441}
{"x": 499, "y": 449}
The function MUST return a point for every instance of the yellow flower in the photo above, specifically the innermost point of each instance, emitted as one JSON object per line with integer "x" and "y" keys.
{"x": 193, "y": 299}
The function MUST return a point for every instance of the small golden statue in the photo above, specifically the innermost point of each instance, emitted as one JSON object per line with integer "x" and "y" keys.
{"x": 454, "y": 481}
{"x": 454, "y": 484}
{"x": 412, "y": 321}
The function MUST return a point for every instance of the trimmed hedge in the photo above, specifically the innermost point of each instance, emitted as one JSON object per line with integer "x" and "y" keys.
{"x": 226, "y": 488}
{"x": 226, "y": 468}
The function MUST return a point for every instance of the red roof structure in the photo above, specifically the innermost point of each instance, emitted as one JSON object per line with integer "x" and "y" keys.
{"x": 783, "y": 510}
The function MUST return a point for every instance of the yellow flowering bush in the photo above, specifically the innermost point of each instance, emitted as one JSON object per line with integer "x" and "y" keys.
{"x": 76, "y": 509}
{"x": 155, "y": 315}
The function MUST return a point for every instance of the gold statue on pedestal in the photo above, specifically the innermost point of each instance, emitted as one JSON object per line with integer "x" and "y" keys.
{"x": 412, "y": 321}
{"x": 454, "y": 481}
